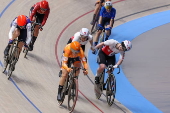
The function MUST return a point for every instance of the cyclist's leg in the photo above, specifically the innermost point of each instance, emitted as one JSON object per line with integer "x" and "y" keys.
{"x": 96, "y": 10}
{"x": 16, "y": 33}
{"x": 99, "y": 31}
{"x": 101, "y": 60}
{"x": 61, "y": 83}
{"x": 108, "y": 30}
{"x": 39, "y": 19}
{"x": 96, "y": 38}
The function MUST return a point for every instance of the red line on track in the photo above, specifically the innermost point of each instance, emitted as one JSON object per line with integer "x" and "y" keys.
{"x": 56, "y": 52}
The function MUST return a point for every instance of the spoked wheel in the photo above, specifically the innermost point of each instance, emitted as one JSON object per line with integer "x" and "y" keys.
{"x": 98, "y": 90}
{"x": 5, "y": 65}
{"x": 72, "y": 95}
{"x": 111, "y": 90}
{"x": 10, "y": 70}
{"x": 64, "y": 92}
{"x": 63, "y": 97}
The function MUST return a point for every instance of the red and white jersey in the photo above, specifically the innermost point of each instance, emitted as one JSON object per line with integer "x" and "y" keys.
{"x": 77, "y": 38}
{"x": 110, "y": 48}
{"x": 27, "y": 26}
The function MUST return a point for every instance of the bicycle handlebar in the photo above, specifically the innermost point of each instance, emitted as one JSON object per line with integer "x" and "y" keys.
{"x": 110, "y": 68}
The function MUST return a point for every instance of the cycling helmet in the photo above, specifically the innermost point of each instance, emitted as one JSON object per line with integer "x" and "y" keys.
{"x": 84, "y": 32}
{"x": 75, "y": 47}
{"x": 108, "y": 5}
{"x": 44, "y": 5}
{"x": 127, "y": 45}
{"x": 21, "y": 20}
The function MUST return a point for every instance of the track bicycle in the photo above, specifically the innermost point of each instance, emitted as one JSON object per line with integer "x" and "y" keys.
{"x": 71, "y": 88}
{"x": 12, "y": 58}
{"x": 110, "y": 85}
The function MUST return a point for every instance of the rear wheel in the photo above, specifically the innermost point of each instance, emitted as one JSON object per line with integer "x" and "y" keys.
{"x": 98, "y": 88}
{"x": 111, "y": 90}
{"x": 72, "y": 94}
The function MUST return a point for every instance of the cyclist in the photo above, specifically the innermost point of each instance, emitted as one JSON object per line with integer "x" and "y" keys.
{"x": 107, "y": 15}
{"x": 98, "y": 5}
{"x": 106, "y": 55}
{"x": 72, "y": 53}
{"x": 82, "y": 37}
{"x": 21, "y": 28}
{"x": 38, "y": 13}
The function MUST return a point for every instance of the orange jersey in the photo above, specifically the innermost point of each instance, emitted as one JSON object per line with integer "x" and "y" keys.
{"x": 69, "y": 54}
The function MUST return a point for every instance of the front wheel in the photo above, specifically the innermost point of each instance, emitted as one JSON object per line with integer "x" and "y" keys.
{"x": 111, "y": 89}
{"x": 10, "y": 70}
{"x": 5, "y": 65}
{"x": 72, "y": 94}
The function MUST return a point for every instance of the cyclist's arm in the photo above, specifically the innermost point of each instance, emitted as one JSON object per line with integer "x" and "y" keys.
{"x": 45, "y": 17}
{"x": 28, "y": 34}
{"x": 112, "y": 17}
{"x": 121, "y": 58}
{"x": 111, "y": 22}
{"x": 99, "y": 45}
{"x": 36, "y": 7}
{"x": 83, "y": 59}
{"x": 14, "y": 25}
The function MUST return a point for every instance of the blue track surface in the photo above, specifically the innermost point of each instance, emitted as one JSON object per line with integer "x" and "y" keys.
{"x": 126, "y": 93}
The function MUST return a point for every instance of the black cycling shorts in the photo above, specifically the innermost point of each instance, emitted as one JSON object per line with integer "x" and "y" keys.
{"x": 102, "y": 58}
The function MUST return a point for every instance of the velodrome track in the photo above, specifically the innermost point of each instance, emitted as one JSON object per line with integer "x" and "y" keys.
{"x": 34, "y": 83}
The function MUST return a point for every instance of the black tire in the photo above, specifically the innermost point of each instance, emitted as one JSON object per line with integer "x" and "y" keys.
{"x": 63, "y": 92}
{"x": 72, "y": 95}
{"x": 5, "y": 65}
{"x": 98, "y": 88}
{"x": 10, "y": 71}
{"x": 111, "y": 89}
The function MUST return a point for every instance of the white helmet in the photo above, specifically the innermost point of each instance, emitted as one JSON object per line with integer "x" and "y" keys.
{"x": 108, "y": 5}
{"x": 84, "y": 32}
{"x": 127, "y": 44}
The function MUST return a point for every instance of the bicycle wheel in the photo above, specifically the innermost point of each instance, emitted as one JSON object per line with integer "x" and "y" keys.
{"x": 72, "y": 94}
{"x": 5, "y": 64}
{"x": 7, "y": 59}
{"x": 98, "y": 88}
{"x": 64, "y": 92}
{"x": 111, "y": 89}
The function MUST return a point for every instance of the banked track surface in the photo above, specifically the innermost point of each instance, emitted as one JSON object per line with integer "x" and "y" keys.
{"x": 37, "y": 76}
